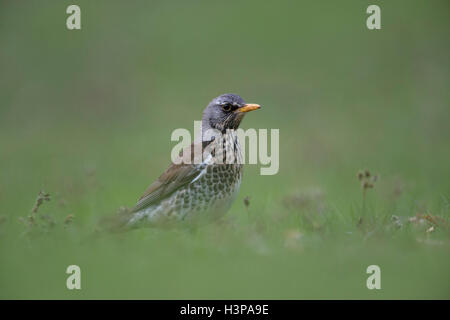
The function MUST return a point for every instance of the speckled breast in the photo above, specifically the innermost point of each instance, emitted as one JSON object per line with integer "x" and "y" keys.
{"x": 206, "y": 198}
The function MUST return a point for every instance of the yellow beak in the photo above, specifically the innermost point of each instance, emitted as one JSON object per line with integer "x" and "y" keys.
{"x": 249, "y": 107}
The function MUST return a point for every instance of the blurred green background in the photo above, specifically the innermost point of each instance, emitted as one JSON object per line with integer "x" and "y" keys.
{"x": 87, "y": 115}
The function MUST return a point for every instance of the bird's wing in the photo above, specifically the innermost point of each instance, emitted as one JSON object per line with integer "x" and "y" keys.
{"x": 176, "y": 176}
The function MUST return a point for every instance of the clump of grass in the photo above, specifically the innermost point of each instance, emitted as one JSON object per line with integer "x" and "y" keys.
{"x": 311, "y": 199}
{"x": 310, "y": 208}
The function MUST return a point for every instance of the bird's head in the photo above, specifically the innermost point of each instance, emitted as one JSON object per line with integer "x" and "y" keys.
{"x": 226, "y": 112}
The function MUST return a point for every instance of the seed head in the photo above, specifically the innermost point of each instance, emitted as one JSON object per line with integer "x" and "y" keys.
{"x": 360, "y": 175}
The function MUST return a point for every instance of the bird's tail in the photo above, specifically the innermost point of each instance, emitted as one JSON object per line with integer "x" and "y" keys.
{"x": 116, "y": 223}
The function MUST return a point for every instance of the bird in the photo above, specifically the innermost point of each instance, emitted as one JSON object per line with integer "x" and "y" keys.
{"x": 202, "y": 189}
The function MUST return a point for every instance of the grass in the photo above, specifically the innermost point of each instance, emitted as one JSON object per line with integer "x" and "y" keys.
{"x": 87, "y": 116}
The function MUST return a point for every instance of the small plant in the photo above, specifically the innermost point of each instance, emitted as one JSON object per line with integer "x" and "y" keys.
{"x": 41, "y": 222}
{"x": 42, "y": 196}
{"x": 367, "y": 181}
{"x": 68, "y": 220}
{"x": 31, "y": 219}
{"x": 430, "y": 222}
{"x": 247, "y": 204}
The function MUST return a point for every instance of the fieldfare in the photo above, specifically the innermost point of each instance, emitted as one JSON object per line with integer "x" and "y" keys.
{"x": 199, "y": 186}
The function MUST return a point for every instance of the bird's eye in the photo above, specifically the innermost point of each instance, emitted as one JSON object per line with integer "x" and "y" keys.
{"x": 226, "y": 107}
